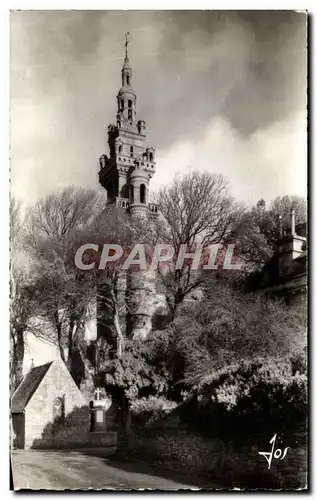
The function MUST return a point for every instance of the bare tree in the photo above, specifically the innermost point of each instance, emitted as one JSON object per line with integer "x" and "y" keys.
{"x": 196, "y": 208}
{"x": 109, "y": 283}
{"x": 22, "y": 293}
{"x": 229, "y": 326}
{"x": 67, "y": 296}
{"x": 63, "y": 300}
{"x": 259, "y": 229}
{"x": 282, "y": 206}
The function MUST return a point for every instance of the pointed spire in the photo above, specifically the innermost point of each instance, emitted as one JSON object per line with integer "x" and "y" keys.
{"x": 126, "y": 59}
{"x": 126, "y": 72}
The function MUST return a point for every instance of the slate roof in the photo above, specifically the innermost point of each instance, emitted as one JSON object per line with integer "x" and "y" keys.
{"x": 27, "y": 388}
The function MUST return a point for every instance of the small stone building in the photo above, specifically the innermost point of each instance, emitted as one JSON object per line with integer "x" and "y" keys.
{"x": 48, "y": 410}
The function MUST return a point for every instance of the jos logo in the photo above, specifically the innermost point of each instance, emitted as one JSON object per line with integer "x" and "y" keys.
{"x": 278, "y": 453}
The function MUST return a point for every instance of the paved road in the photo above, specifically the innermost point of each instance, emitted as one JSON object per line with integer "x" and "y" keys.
{"x": 58, "y": 470}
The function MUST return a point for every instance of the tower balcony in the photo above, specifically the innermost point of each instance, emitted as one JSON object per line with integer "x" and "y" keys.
{"x": 138, "y": 208}
{"x": 154, "y": 211}
{"x": 122, "y": 202}
{"x": 150, "y": 208}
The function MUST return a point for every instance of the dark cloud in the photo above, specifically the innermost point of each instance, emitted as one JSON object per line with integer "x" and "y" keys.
{"x": 189, "y": 67}
{"x": 56, "y": 35}
{"x": 256, "y": 72}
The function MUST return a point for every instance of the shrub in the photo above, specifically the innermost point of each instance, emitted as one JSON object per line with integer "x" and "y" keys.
{"x": 250, "y": 397}
{"x": 136, "y": 374}
{"x": 152, "y": 404}
{"x": 151, "y": 410}
{"x": 228, "y": 327}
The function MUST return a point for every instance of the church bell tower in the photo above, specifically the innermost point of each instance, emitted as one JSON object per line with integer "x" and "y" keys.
{"x": 126, "y": 176}
{"x": 127, "y": 172}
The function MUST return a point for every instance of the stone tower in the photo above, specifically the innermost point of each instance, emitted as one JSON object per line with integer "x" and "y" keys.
{"x": 126, "y": 173}
{"x": 126, "y": 176}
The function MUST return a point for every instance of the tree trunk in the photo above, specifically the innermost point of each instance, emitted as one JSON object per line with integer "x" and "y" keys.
{"x": 16, "y": 371}
{"x": 120, "y": 337}
{"x": 59, "y": 336}
{"x": 126, "y": 434}
{"x": 70, "y": 345}
{"x": 61, "y": 351}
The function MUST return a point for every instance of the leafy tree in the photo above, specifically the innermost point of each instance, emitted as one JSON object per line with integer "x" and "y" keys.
{"x": 137, "y": 373}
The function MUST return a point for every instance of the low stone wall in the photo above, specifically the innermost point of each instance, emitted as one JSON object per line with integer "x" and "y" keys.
{"x": 227, "y": 464}
{"x": 74, "y": 432}
{"x": 97, "y": 439}
{"x": 70, "y": 437}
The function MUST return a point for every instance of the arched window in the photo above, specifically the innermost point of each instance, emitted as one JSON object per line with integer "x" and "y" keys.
{"x": 124, "y": 193}
{"x": 130, "y": 114}
{"x": 129, "y": 104}
{"x": 120, "y": 148}
{"x": 131, "y": 151}
{"x": 58, "y": 409}
{"x": 122, "y": 104}
{"x": 151, "y": 156}
{"x": 142, "y": 193}
{"x": 128, "y": 79}
{"x": 132, "y": 194}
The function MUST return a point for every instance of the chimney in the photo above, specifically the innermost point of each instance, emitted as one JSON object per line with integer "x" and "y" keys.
{"x": 293, "y": 222}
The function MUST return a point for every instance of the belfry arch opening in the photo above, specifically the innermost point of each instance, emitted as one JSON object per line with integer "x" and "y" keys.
{"x": 124, "y": 193}
{"x": 132, "y": 194}
{"x": 142, "y": 193}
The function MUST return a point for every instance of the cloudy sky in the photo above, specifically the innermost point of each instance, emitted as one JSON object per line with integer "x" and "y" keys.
{"x": 221, "y": 91}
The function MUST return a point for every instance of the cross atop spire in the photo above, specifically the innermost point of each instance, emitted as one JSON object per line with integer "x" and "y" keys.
{"x": 126, "y": 44}
{"x": 126, "y": 68}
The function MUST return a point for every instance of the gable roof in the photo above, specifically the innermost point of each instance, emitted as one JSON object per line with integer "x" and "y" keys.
{"x": 28, "y": 386}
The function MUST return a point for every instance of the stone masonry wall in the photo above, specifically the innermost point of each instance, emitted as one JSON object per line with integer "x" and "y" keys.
{"x": 40, "y": 428}
{"x": 226, "y": 464}
{"x": 42, "y": 431}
